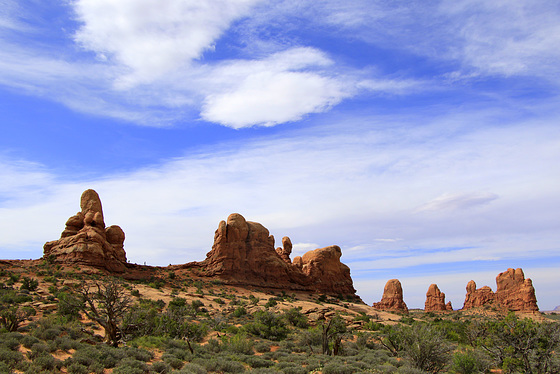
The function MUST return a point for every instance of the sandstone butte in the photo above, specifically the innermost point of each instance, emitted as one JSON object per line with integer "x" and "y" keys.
{"x": 513, "y": 292}
{"x": 392, "y": 298}
{"x": 86, "y": 241}
{"x": 435, "y": 300}
{"x": 243, "y": 253}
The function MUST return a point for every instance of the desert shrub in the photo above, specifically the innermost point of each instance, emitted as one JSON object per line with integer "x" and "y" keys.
{"x": 295, "y": 318}
{"x": 221, "y": 364}
{"x": 291, "y": 368}
{"x": 29, "y": 284}
{"x": 521, "y": 344}
{"x": 68, "y": 306}
{"x": 339, "y": 368}
{"x": 46, "y": 362}
{"x": 267, "y": 325}
{"x": 139, "y": 354}
{"x": 10, "y": 358}
{"x": 469, "y": 362}
{"x": 262, "y": 347}
{"x": 239, "y": 312}
{"x": 65, "y": 344}
{"x": 10, "y": 342}
{"x": 265, "y": 371}
{"x": 172, "y": 360}
{"x": 77, "y": 368}
{"x": 257, "y": 362}
{"x": 409, "y": 370}
{"x": 271, "y": 303}
{"x": 131, "y": 366}
{"x": 160, "y": 367}
{"x": 110, "y": 356}
{"x": 239, "y": 344}
{"x": 85, "y": 356}
{"x": 191, "y": 368}
{"x": 5, "y": 368}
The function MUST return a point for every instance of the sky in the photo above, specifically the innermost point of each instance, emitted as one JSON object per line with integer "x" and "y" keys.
{"x": 423, "y": 138}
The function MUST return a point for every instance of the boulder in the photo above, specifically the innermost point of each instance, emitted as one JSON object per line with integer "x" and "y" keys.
{"x": 392, "y": 297}
{"x": 243, "y": 253}
{"x": 515, "y": 292}
{"x": 85, "y": 239}
{"x": 435, "y": 299}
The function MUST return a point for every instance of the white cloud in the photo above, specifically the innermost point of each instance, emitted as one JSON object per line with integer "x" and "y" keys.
{"x": 273, "y": 90}
{"x": 153, "y": 37}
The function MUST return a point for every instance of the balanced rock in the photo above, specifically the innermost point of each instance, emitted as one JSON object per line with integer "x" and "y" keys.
{"x": 515, "y": 292}
{"x": 243, "y": 253}
{"x": 477, "y": 297}
{"x": 435, "y": 299}
{"x": 85, "y": 239}
{"x": 392, "y": 297}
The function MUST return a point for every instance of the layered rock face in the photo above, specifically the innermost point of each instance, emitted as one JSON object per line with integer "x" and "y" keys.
{"x": 243, "y": 253}
{"x": 513, "y": 292}
{"x": 435, "y": 300}
{"x": 85, "y": 239}
{"x": 392, "y": 297}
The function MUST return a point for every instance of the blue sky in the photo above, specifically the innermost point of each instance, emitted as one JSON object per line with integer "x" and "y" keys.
{"x": 423, "y": 139}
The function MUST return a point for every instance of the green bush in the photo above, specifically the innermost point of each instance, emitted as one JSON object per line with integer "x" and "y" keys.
{"x": 77, "y": 368}
{"x": 10, "y": 358}
{"x": 469, "y": 362}
{"x": 295, "y": 318}
{"x": 191, "y": 368}
{"x": 29, "y": 284}
{"x": 221, "y": 364}
{"x": 160, "y": 367}
{"x": 267, "y": 325}
{"x": 131, "y": 366}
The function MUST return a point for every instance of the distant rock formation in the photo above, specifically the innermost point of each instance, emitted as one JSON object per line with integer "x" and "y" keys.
{"x": 85, "y": 239}
{"x": 435, "y": 300}
{"x": 448, "y": 306}
{"x": 477, "y": 297}
{"x": 392, "y": 297}
{"x": 243, "y": 253}
{"x": 513, "y": 292}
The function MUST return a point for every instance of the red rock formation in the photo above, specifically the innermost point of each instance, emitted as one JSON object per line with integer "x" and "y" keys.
{"x": 477, "y": 297}
{"x": 515, "y": 292}
{"x": 448, "y": 306}
{"x": 325, "y": 272}
{"x": 243, "y": 253}
{"x": 286, "y": 250}
{"x": 392, "y": 297}
{"x": 85, "y": 240}
{"x": 435, "y": 299}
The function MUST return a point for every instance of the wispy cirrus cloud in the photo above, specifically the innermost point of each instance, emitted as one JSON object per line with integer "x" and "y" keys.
{"x": 456, "y": 201}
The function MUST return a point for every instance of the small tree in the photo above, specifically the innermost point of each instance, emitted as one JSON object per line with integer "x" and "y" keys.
{"x": 332, "y": 334}
{"x": 12, "y": 316}
{"x": 106, "y": 304}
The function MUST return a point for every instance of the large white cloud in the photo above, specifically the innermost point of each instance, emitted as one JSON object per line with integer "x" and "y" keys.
{"x": 154, "y": 37}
